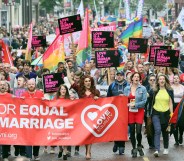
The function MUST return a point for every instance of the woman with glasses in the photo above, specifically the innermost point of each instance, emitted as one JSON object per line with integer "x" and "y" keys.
{"x": 178, "y": 95}
{"x": 162, "y": 100}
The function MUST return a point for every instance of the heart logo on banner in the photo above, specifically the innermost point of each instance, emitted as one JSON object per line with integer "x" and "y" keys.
{"x": 48, "y": 137}
{"x": 92, "y": 115}
{"x": 88, "y": 116}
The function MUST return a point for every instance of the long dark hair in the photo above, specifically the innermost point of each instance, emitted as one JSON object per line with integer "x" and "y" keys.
{"x": 83, "y": 89}
{"x": 58, "y": 94}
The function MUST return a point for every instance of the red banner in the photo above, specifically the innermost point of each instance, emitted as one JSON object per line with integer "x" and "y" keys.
{"x": 63, "y": 122}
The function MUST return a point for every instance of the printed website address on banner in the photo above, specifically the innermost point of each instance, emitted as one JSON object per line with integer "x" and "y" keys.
{"x": 8, "y": 135}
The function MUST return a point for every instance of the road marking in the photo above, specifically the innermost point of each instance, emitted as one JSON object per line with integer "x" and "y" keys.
{"x": 146, "y": 159}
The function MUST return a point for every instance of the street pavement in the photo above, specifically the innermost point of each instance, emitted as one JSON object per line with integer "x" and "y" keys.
{"x": 103, "y": 152}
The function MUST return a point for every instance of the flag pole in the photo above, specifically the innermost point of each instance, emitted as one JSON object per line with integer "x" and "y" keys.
{"x": 96, "y": 8}
{"x": 167, "y": 10}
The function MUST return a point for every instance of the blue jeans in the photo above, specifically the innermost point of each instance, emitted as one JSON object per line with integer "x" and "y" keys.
{"x": 158, "y": 128}
{"x": 182, "y": 66}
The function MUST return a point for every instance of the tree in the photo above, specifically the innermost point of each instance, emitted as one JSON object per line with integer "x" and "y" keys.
{"x": 48, "y": 5}
{"x": 156, "y": 5}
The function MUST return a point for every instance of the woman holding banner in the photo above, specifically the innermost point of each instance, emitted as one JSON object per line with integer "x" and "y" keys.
{"x": 162, "y": 101}
{"x": 137, "y": 96}
{"x": 85, "y": 89}
{"x": 62, "y": 93}
{"x": 88, "y": 90}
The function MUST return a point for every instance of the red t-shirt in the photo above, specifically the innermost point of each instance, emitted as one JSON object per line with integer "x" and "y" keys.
{"x": 36, "y": 94}
{"x": 5, "y": 95}
{"x": 131, "y": 97}
{"x": 182, "y": 78}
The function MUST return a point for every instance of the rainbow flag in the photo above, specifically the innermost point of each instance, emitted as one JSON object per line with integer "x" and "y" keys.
{"x": 83, "y": 52}
{"x": 111, "y": 19}
{"x": 121, "y": 66}
{"x": 54, "y": 54}
{"x": 133, "y": 30}
{"x": 126, "y": 34}
{"x": 138, "y": 29}
{"x": 162, "y": 21}
{"x": 28, "y": 49}
{"x": 122, "y": 47}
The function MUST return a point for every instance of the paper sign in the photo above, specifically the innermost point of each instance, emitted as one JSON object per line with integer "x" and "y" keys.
{"x": 39, "y": 41}
{"x": 106, "y": 59}
{"x": 18, "y": 91}
{"x": 102, "y": 39}
{"x": 164, "y": 30}
{"x": 103, "y": 89}
{"x": 121, "y": 23}
{"x": 51, "y": 82}
{"x": 152, "y": 51}
{"x": 70, "y": 24}
{"x": 147, "y": 32}
{"x": 166, "y": 58}
{"x": 137, "y": 45}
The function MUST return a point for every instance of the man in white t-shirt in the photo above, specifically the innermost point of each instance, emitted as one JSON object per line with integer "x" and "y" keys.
{"x": 95, "y": 73}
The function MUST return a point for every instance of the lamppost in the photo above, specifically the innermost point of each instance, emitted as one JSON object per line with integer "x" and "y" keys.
{"x": 10, "y": 3}
{"x": 101, "y": 4}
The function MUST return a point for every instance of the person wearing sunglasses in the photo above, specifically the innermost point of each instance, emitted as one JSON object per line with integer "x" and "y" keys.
{"x": 147, "y": 116}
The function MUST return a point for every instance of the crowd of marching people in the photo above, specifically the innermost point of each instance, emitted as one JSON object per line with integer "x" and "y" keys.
{"x": 154, "y": 93}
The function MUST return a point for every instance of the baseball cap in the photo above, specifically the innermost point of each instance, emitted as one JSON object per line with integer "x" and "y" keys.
{"x": 120, "y": 72}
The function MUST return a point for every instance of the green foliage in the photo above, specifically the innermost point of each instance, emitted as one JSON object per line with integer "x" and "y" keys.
{"x": 48, "y": 5}
{"x": 156, "y": 5}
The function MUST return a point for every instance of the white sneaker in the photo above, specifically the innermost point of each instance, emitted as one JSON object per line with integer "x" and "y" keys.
{"x": 166, "y": 151}
{"x": 5, "y": 159}
{"x": 36, "y": 158}
{"x": 156, "y": 153}
{"x": 52, "y": 151}
{"x": 45, "y": 150}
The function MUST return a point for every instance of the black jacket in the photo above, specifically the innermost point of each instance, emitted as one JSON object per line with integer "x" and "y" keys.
{"x": 152, "y": 95}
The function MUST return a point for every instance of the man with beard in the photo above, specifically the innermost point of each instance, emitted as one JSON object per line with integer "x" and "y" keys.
{"x": 4, "y": 94}
{"x": 116, "y": 88}
{"x": 10, "y": 77}
{"x": 129, "y": 67}
{"x": 21, "y": 84}
{"x": 32, "y": 92}
{"x": 76, "y": 80}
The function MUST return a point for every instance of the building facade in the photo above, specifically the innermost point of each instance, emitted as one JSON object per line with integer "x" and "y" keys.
{"x": 15, "y": 13}
{"x": 178, "y": 6}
